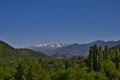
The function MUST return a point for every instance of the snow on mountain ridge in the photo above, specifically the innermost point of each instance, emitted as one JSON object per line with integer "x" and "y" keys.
{"x": 50, "y": 45}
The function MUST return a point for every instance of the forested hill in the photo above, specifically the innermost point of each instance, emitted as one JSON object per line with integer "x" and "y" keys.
{"x": 100, "y": 64}
{"x": 8, "y": 51}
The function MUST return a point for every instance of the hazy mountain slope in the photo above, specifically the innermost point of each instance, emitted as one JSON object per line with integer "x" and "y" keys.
{"x": 115, "y": 47}
{"x": 83, "y": 49}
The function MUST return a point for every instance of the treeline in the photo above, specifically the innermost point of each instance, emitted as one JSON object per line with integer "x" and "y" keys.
{"x": 100, "y": 64}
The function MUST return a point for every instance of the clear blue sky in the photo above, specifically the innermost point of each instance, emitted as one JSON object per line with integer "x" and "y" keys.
{"x": 28, "y": 22}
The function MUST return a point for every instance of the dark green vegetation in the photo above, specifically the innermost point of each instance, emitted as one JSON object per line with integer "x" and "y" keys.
{"x": 24, "y": 64}
{"x": 8, "y": 51}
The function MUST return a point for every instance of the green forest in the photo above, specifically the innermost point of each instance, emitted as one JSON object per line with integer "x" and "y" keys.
{"x": 25, "y": 64}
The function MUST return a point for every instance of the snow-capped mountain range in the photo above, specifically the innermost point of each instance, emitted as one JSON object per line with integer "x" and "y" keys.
{"x": 74, "y": 49}
{"x": 47, "y": 48}
{"x": 57, "y": 45}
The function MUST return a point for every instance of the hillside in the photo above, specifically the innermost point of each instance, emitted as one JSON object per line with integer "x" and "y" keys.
{"x": 30, "y": 53}
{"x": 8, "y": 51}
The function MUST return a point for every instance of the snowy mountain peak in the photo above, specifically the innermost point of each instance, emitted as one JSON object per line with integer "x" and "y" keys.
{"x": 50, "y": 45}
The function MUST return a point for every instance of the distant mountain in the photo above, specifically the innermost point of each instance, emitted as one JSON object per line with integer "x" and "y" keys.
{"x": 8, "y": 51}
{"x": 73, "y": 49}
{"x": 83, "y": 49}
{"x": 47, "y": 48}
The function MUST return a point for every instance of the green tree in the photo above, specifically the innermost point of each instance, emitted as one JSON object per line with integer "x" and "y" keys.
{"x": 100, "y": 59}
{"x": 91, "y": 52}
{"x": 110, "y": 70}
{"x": 106, "y": 53}
{"x": 117, "y": 58}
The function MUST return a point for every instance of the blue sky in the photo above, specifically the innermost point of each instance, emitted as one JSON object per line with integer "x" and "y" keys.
{"x": 28, "y": 22}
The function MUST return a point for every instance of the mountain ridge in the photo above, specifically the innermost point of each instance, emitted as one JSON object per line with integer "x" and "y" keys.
{"x": 76, "y": 48}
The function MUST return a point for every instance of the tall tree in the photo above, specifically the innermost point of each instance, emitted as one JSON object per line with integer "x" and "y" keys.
{"x": 91, "y": 58}
{"x": 106, "y": 53}
{"x": 95, "y": 57}
{"x": 117, "y": 55}
{"x": 100, "y": 58}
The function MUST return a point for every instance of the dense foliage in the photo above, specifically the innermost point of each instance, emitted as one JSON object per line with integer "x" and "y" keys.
{"x": 100, "y": 64}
